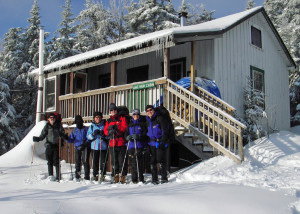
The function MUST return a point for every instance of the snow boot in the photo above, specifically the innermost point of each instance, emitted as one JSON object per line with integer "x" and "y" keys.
{"x": 154, "y": 174}
{"x": 123, "y": 179}
{"x": 116, "y": 178}
{"x": 50, "y": 170}
{"x": 164, "y": 178}
{"x": 58, "y": 176}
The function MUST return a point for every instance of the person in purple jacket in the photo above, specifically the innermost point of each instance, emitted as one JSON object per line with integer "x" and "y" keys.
{"x": 136, "y": 135}
{"x": 82, "y": 148}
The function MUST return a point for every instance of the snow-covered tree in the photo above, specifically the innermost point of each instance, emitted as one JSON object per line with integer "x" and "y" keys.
{"x": 285, "y": 14}
{"x": 93, "y": 27}
{"x": 254, "y": 113}
{"x": 63, "y": 44}
{"x": 199, "y": 14}
{"x": 117, "y": 26}
{"x": 8, "y": 137}
{"x": 151, "y": 15}
{"x": 250, "y": 4}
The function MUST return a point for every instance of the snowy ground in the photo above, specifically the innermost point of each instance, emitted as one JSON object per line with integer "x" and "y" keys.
{"x": 268, "y": 181}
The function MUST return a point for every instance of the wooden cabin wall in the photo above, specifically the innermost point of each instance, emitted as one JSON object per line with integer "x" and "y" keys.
{"x": 234, "y": 54}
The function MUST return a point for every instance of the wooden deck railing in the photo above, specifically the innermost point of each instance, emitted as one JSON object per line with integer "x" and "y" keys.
{"x": 206, "y": 120}
{"x": 205, "y": 115}
{"x": 136, "y": 95}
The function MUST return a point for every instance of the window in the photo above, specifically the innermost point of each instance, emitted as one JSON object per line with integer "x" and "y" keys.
{"x": 257, "y": 77}
{"x": 256, "y": 37}
{"x": 137, "y": 74}
{"x": 258, "y": 86}
{"x": 50, "y": 94}
{"x": 104, "y": 80}
{"x": 177, "y": 69}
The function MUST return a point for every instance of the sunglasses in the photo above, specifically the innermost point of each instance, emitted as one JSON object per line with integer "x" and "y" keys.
{"x": 52, "y": 118}
{"x": 149, "y": 110}
{"x": 97, "y": 117}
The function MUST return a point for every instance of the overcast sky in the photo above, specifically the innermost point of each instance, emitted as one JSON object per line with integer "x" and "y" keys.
{"x": 14, "y": 13}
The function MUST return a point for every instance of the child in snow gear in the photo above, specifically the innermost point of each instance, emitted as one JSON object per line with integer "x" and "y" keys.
{"x": 97, "y": 138}
{"x": 115, "y": 127}
{"x": 158, "y": 133}
{"x": 82, "y": 148}
{"x": 52, "y": 131}
{"x": 136, "y": 135}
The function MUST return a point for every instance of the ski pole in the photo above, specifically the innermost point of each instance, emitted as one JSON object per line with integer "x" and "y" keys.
{"x": 32, "y": 158}
{"x": 99, "y": 177}
{"x": 70, "y": 162}
{"x": 114, "y": 159}
{"x": 136, "y": 159}
{"x": 59, "y": 144}
{"x": 125, "y": 157}
{"x": 105, "y": 161}
{"x": 93, "y": 158}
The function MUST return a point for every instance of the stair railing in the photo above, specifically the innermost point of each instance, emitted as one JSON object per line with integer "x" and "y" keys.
{"x": 207, "y": 121}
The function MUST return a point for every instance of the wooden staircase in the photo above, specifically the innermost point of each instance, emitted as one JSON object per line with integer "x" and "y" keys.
{"x": 208, "y": 119}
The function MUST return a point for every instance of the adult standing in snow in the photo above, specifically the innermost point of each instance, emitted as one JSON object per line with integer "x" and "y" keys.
{"x": 136, "y": 135}
{"x": 115, "y": 127}
{"x": 52, "y": 131}
{"x": 98, "y": 145}
{"x": 82, "y": 148}
{"x": 158, "y": 133}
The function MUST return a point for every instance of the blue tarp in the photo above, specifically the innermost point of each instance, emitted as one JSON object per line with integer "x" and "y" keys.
{"x": 207, "y": 84}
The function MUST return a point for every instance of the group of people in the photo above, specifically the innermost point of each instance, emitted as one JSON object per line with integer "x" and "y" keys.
{"x": 126, "y": 140}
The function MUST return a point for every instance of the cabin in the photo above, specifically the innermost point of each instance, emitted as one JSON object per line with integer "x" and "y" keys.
{"x": 144, "y": 70}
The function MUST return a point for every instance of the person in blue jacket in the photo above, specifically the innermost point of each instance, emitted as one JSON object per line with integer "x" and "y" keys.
{"x": 82, "y": 148}
{"x": 158, "y": 133}
{"x": 98, "y": 140}
{"x": 136, "y": 135}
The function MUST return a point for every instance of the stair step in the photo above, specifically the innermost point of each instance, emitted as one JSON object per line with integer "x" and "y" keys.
{"x": 188, "y": 135}
{"x": 179, "y": 128}
{"x": 208, "y": 149}
{"x": 198, "y": 142}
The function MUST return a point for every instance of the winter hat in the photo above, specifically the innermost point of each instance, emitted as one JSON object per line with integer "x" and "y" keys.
{"x": 98, "y": 114}
{"x": 51, "y": 115}
{"x": 149, "y": 106}
{"x": 112, "y": 106}
{"x": 78, "y": 119}
{"x": 136, "y": 111}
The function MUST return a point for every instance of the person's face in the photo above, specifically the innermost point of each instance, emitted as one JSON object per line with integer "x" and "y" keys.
{"x": 51, "y": 120}
{"x": 150, "y": 112}
{"x": 97, "y": 119}
{"x": 113, "y": 112}
{"x": 135, "y": 116}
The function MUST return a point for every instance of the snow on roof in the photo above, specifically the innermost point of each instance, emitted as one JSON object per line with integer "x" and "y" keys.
{"x": 157, "y": 37}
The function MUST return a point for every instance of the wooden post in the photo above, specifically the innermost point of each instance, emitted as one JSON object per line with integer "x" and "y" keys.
{"x": 112, "y": 80}
{"x": 240, "y": 147}
{"x": 71, "y": 92}
{"x": 167, "y": 62}
{"x": 193, "y": 47}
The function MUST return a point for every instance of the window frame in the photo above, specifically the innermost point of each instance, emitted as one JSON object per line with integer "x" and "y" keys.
{"x": 53, "y": 108}
{"x": 254, "y": 70}
{"x": 253, "y": 42}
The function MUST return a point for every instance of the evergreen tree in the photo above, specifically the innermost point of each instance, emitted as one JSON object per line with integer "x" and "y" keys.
{"x": 254, "y": 113}
{"x": 8, "y": 137}
{"x": 93, "y": 27}
{"x": 63, "y": 44}
{"x": 199, "y": 14}
{"x": 117, "y": 25}
{"x": 285, "y": 14}
{"x": 250, "y": 4}
{"x": 151, "y": 15}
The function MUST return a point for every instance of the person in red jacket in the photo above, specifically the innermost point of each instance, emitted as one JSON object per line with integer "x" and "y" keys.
{"x": 115, "y": 128}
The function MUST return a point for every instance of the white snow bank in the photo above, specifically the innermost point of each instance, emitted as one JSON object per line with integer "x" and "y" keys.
{"x": 22, "y": 153}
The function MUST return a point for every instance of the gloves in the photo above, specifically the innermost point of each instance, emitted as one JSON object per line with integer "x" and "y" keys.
{"x": 35, "y": 139}
{"x": 129, "y": 137}
{"x": 101, "y": 132}
{"x": 113, "y": 127}
{"x": 66, "y": 137}
{"x": 86, "y": 143}
{"x": 135, "y": 136}
{"x": 111, "y": 132}
{"x": 162, "y": 145}
{"x": 146, "y": 150}
{"x": 96, "y": 132}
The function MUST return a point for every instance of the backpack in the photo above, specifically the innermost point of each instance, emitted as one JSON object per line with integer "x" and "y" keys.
{"x": 124, "y": 112}
{"x": 162, "y": 111}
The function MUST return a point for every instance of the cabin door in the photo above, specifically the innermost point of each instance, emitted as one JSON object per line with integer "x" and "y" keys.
{"x": 80, "y": 82}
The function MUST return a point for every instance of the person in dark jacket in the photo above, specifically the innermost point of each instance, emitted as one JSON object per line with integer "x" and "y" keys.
{"x": 98, "y": 145}
{"x": 158, "y": 133}
{"x": 82, "y": 148}
{"x": 52, "y": 131}
{"x": 115, "y": 128}
{"x": 136, "y": 135}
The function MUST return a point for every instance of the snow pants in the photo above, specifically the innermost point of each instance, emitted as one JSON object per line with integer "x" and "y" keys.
{"x": 117, "y": 159}
{"x": 99, "y": 157}
{"x": 136, "y": 164}
{"x": 82, "y": 157}
{"x": 158, "y": 156}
